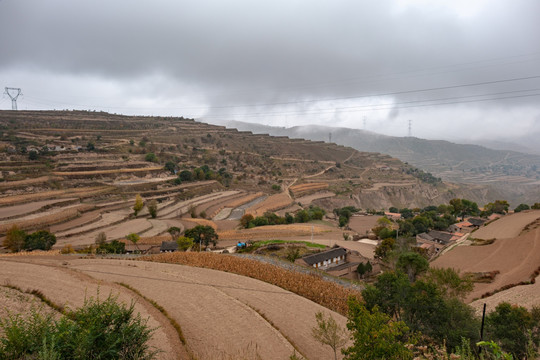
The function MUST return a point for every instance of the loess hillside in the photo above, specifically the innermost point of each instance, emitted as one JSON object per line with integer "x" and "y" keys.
{"x": 78, "y": 172}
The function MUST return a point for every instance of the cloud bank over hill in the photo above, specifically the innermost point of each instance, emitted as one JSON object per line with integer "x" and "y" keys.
{"x": 458, "y": 69}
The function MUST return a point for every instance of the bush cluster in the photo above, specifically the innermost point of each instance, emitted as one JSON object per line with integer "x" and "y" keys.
{"x": 269, "y": 218}
{"x": 18, "y": 240}
{"x": 98, "y": 330}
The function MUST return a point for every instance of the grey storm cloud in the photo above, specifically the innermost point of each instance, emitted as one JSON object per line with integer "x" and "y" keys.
{"x": 271, "y": 60}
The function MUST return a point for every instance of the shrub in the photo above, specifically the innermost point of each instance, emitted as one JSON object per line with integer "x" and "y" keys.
{"x": 151, "y": 157}
{"x": 39, "y": 240}
{"x": 184, "y": 243}
{"x": 114, "y": 247}
{"x": 97, "y": 330}
{"x": 139, "y": 204}
{"x": 152, "y": 208}
{"x": 15, "y": 239}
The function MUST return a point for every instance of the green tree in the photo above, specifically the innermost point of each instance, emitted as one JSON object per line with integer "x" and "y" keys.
{"x": 203, "y": 234}
{"x": 383, "y": 250}
{"x": 33, "y": 155}
{"x": 512, "y": 327}
{"x": 39, "y": 240}
{"x": 450, "y": 282}
{"x": 175, "y": 232}
{"x": 15, "y": 239}
{"x": 375, "y": 335}
{"x": 498, "y": 207}
{"x": 114, "y": 247}
{"x": 412, "y": 264}
{"x": 245, "y": 220}
{"x": 170, "y": 166}
{"x": 185, "y": 175}
{"x": 521, "y": 207}
{"x": 536, "y": 206}
{"x": 151, "y": 157}
{"x": 152, "y": 208}
{"x": 139, "y": 204}
{"x": 184, "y": 243}
{"x": 328, "y": 332}
{"x": 134, "y": 238}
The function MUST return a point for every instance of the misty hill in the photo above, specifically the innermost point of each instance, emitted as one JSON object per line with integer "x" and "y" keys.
{"x": 517, "y": 174}
{"x": 63, "y": 151}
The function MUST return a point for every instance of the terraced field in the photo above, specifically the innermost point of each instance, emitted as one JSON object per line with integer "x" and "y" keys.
{"x": 248, "y": 318}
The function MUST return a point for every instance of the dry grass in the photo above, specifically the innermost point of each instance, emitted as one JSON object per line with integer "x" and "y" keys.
{"x": 308, "y": 187}
{"x": 312, "y": 287}
{"x": 271, "y": 203}
{"x": 59, "y": 194}
{"x": 32, "y": 253}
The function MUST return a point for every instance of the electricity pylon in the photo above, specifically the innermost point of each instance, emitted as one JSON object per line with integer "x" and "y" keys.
{"x": 13, "y": 97}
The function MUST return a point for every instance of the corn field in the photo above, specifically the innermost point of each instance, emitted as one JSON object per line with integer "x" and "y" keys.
{"x": 312, "y": 287}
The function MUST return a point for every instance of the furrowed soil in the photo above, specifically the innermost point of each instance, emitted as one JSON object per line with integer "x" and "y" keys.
{"x": 245, "y": 315}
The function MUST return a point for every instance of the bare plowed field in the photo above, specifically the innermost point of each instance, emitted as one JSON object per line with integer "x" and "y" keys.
{"x": 308, "y": 199}
{"x": 298, "y": 190}
{"x": 222, "y": 315}
{"x": 273, "y": 232}
{"x": 58, "y": 194}
{"x": 117, "y": 231}
{"x": 363, "y": 224}
{"x": 524, "y": 295}
{"x": 508, "y": 226}
{"x": 516, "y": 259}
{"x": 70, "y": 288}
{"x": 271, "y": 203}
{"x": 17, "y": 210}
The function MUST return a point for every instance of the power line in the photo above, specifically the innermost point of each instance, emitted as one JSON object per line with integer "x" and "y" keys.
{"x": 388, "y": 106}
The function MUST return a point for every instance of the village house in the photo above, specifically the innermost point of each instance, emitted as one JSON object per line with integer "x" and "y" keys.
{"x": 168, "y": 246}
{"x": 141, "y": 249}
{"x": 325, "y": 259}
{"x": 434, "y": 241}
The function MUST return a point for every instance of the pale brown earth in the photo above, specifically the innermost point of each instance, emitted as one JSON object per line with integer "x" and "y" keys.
{"x": 117, "y": 231}
{"x": 363, "y": 224}
{"x": 222, "y": 315}
{"x": 516, "y": 259}
{"x": 17, "y": 210}
{"x": 308, "y": 199}
{"x": 70, "y": 288}
{"x": 523, "y": 295}
{"x": 228, "y": 304}
{"x": 508, "y": 226}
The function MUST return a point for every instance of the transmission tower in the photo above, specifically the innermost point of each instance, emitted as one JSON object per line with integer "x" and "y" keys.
{"x": 364, "y": 123}
{"x": 329, "y": 137}
{"x": 13, "y": 97}
{"x": 410, "y": 128}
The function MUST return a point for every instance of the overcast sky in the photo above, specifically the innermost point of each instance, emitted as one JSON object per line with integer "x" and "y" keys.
{"x": 458, "y": 69}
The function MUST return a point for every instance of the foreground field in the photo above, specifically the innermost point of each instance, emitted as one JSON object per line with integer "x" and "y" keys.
{"x": 515, "y": 258}
{"x": 222, "y": 315}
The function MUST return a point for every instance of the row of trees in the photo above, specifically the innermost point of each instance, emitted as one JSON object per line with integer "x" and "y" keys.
{"x": 17, "y": 240}
{"x": 269, "y": 218}
{"x": 203, "y": 173}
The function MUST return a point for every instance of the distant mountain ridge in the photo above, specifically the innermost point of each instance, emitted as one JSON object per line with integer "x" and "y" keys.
{"x": 518, "y": 174}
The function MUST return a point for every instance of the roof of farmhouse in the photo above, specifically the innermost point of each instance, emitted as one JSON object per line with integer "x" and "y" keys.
{"x": 325, "y": 255}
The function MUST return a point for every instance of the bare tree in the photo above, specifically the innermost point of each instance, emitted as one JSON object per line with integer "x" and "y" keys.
{"x": 328, "y": 332}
